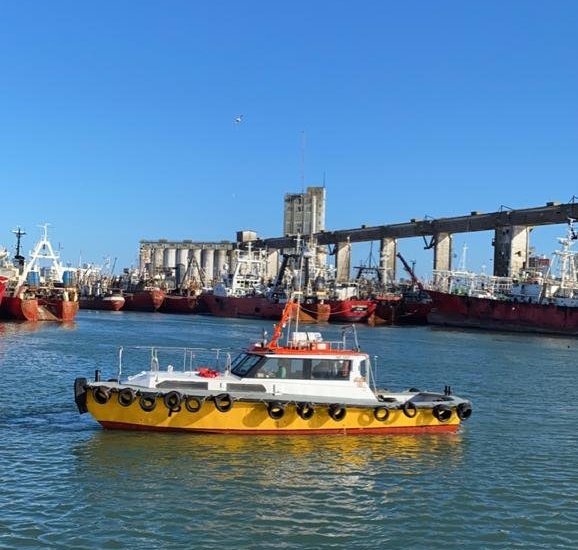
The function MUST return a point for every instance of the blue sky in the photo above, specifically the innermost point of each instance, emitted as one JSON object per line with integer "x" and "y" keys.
{"x": 116, "y": 118}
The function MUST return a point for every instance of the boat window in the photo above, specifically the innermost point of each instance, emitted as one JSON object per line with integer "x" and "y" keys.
{"x": 363, "y": 368}
{"x": 244, "y": 363}
{"x": 332, "y": 369}
{"x": 281, "y": 367}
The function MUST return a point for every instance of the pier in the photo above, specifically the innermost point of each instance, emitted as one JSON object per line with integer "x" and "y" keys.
{"x": 511, "y": 240}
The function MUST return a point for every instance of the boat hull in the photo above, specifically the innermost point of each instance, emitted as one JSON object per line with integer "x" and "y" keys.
{"x": 179, "y": 304}
{"x": 38, "y": 309}
{"x": 484, "y": 313}
{"x": 107, "y": 303}
{"x": 259, "y": 307}
{"x": 144, "y": 300}
{"x": 252, "y": 418}
{"x": 351, "y": 311}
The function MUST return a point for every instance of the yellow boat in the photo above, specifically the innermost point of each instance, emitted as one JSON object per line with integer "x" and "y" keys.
{"x": 305, "y": 386}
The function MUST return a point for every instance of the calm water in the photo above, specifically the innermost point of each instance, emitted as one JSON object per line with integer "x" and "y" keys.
{"x": 508, "y": 479}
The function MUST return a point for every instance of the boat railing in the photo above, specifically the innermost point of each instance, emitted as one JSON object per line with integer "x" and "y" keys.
{"x": 323, "y": 345}
{"x": 169, "y": 358}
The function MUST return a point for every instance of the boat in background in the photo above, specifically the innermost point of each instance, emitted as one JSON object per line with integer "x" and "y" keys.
{"x": 35, "y": 292}
{"x": 140, "y": 293}
{"x": 351, "y": 310}
{"x": 98, "y": 290}
{"x": 148, "y": 298}
{"x": 111, "y": 301}
{"x": 245, "y": 294}
{"x": 182, "y": 302}
{"x": 543, "y": 298}
{"x": 306, "y": 386}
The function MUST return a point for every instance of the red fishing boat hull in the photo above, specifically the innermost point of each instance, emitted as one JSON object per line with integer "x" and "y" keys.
{"x": 413, "y": 313}
{"x": 351, "y": 311}
{"x": 38, "y": 309}
{"x": 179, "y": 304}
{"x": 144, "y": 300}
{"x": 386, "y": 312}
{"x": 258, "y": 307}
{"x": 107, "y": 303}
{"x": 470, "y": 312}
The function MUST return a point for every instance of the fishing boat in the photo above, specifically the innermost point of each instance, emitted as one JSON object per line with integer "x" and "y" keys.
{"x": 99, "y": 289}
{"x": 38, "y": 292}
{"x": 410, "y": 304}
{"x": 536, "y": 300}
{"x": 244, "y": 293}
{"x": 179, "y": 301}
{"x": 148, "y": 298}
{"x": 306, "y": 385}
{"x": 109, "y": 301}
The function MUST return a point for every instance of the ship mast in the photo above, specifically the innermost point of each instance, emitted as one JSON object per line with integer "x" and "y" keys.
{"x": 42, "y": 251}
{"x": 18, "y": 258}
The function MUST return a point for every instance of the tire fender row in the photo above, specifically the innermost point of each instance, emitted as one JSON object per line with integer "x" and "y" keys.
{"x": 223, "y": 402}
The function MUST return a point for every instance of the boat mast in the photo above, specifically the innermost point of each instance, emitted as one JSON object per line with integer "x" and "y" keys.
{"x": 19, "y": 259}
{"x": 42, "y": 251}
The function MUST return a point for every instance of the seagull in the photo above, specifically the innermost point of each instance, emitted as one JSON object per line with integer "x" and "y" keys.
{"x": 238, "y": 119}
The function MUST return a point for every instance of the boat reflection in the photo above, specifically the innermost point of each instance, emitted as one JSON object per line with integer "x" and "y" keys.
{"x": 16, "y": 327}
{"x": 279, "y": 459}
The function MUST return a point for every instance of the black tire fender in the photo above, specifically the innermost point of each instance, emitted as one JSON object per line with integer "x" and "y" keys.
{"x": 101, "y": 394}
{"x": 381, "y": 414}
{"x": 223, "y": 402}
{"x": 148, "y": 402}
{"x": 173, "y": 400}
{"x": 442, "y": 412}
{"x": 126, "y": 397}
{"x": 337, "y": 412}
{"x": 464, "y": 411}
{"x": 80, "y": 395}
{"x": 305, "y": 410}
{"x": 193, "y": 404}
{"x": 409, "y": 409}
{"x": 276, "y": 410}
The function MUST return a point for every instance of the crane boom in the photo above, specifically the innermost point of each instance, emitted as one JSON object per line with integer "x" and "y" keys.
{"x": 406, "y": 266}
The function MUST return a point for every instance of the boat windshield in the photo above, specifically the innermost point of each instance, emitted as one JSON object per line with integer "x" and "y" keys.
{"x": 256, "y": 366}
{"x": 244, "y": 363}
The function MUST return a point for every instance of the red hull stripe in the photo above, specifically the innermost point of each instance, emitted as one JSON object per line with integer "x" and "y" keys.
{"x": 441, "y": 428}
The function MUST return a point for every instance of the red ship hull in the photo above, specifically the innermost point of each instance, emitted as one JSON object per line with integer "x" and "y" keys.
{"x": 470, "y": 312}
{"x": 179, "y": 304}
{"x": 387, "y": 311}
{"x": 107, "y": 303}
{"x": 38, "y": 309}
{"x": 413, "y": 313}
{"x": 351, "y": 311}
{"x": 144, "y": 300}
{"x": 259, "y": 307}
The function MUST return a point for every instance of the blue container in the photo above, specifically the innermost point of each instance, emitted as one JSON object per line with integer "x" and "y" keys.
{"x": 33, "y": 278}
{"x": 68, "y": 278}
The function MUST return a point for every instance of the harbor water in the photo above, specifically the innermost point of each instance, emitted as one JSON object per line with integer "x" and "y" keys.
{"x": 508, "y": 479}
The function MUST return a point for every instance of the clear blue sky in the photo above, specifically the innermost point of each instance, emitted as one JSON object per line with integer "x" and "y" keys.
{"x": 116, "y": 117}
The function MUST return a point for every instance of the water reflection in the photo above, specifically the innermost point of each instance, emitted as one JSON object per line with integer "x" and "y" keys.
{"x": 276, "y": 457}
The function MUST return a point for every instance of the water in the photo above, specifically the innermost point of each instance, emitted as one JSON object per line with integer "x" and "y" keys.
{"x": 509, "y": 479}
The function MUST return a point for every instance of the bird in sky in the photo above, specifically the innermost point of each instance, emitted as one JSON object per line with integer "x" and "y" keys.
{"x": 238, "y": 119}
